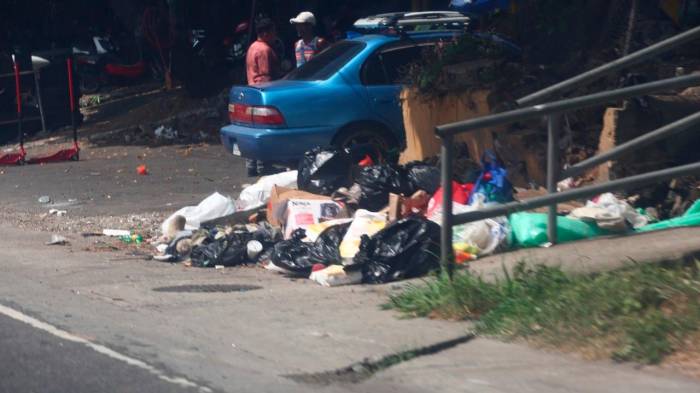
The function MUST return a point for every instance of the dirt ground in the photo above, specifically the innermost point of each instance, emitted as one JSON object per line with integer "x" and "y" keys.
{"x": 103, "y": 189}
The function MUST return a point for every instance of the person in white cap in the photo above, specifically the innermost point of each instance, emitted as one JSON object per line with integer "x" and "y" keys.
{"x": 309, "y": 45}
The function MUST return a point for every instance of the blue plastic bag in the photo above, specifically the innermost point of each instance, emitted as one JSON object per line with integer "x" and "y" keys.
{"x": 493, "y": 181}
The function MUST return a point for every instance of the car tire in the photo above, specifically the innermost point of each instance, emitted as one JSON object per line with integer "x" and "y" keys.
{"x": 364, "y": 135}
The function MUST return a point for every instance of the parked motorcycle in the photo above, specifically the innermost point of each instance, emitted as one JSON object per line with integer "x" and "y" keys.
{"x": 99, "y": 64}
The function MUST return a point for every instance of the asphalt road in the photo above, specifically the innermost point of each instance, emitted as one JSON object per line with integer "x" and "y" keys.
{"x": 105, "y": 181}
{"x": 33, "y": 360}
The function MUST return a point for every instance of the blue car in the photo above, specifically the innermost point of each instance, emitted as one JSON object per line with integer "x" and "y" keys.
{"x": 347, "y": 95}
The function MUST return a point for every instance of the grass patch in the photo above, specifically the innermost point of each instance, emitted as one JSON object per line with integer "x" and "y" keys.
{"x": 641, "y": 314}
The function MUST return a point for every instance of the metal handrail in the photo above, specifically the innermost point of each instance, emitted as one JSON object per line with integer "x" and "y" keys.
{"x": 554, "y": 111}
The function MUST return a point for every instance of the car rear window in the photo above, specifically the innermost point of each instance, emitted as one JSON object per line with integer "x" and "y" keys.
{"x": 328, "y": 62}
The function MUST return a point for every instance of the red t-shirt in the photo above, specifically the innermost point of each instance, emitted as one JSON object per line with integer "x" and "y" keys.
{"x": 261, "y": 63}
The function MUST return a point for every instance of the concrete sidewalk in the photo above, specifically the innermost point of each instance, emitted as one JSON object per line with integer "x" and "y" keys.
{"x": 250, "y": 341}
{"x": 598, "y": 255}
{"x": 487, "y": 366}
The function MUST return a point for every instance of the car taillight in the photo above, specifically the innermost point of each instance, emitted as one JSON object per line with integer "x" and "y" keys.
{"x": 251, "y": 114}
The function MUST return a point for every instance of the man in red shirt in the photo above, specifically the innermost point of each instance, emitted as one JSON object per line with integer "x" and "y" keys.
{"x": 262, "y": 65}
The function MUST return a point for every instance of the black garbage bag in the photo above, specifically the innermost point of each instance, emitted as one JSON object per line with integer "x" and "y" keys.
{"x": 326, "y": 249}
{"x": 422, "y": 176}
{"x": 228, "y": 251}
{"x": 293, "y": 254}
{"x": 267, "y": 235}
{"x": 324, "y": 171}
{"x": 407, "y": 248}
{"x": 378, "y": 181}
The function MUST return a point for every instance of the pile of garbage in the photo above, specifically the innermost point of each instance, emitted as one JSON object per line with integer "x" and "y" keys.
{"x": 347, "y": 218}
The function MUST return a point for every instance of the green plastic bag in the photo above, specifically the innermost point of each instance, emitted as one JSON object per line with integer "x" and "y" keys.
{"x": 691, "y": 218}
{"x": 530, "y": 229}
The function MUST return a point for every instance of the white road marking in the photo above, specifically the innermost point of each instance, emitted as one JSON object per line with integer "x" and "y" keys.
{"x": 33, "y": 322}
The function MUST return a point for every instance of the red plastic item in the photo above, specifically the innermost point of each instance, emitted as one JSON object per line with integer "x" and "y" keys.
{"x": 71, "y": 154}
{"x": 367, "y": 161}
{"x": 460, "y": 194}
{"x": 142, "y": 170}
{"x": 126, "y": 70}
{"x": 13, "y": 158}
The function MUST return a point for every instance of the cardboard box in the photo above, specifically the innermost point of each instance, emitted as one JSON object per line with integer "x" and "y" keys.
{"x": 302, "y": 213}
{"x": 279, "y": 196}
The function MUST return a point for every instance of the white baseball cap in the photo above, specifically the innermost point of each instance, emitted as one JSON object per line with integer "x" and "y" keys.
{"x": 304, "y": 17}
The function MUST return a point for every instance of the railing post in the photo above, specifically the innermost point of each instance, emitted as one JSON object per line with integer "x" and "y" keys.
{"x": 553, "y": 129}
{"x": 446, "y": 250}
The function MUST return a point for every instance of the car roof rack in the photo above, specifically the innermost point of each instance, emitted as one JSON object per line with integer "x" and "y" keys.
{"x": 415, "y": 21}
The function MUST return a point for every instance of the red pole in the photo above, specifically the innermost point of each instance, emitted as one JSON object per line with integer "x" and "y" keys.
{"x": 18, "y": 93}
{"x": 18, "y": 96}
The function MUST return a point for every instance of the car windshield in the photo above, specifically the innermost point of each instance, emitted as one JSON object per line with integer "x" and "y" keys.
{"x": 327, "y": 63}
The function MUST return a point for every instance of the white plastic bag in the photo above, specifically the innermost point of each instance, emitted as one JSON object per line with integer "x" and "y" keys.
{"x": 484, "y": 236}
{"x": 335, "y": 275}
{"x": 259, "y": 193}
{"x": 214, "y": 206}
{"x": 365, "y": 223}
{"x": 618, "y": 208}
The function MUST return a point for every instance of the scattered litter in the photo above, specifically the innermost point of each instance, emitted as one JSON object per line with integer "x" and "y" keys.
{"x": 302, "y": 213}
{"x": 690, "y": 218}
{"x": 530, "y": 229}
{"x": 167, "y": 133}
{"x": 292, "y": 255}
{"x": 131, "y": 239}
{"x": 254, "y": 248}
{"x": 142, "y": 170}
{"x": 324, "y": 171}
{"x": 116, "y": 232}
{"x": 405, "y": 249}
{"x": 259, "y": 193}
{"x": 352, "y": 221}
{"x": 57, "y": 240}
{"x": 213, "y": 207}
{"x": 326, "y": 249}
{"x": 174, "y": 225}
{"x": 335, "y": 275}
{"x": 56, "y": 212}
{"x": 493, "y": 182}
{"x": 366, "y": 223}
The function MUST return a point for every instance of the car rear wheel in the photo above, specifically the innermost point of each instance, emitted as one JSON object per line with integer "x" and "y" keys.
{"x": 364, "y": 136}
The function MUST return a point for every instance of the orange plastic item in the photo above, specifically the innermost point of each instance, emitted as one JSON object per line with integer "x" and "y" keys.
{"x": 462, "y": 257}
{"x": 142, "y": 170}
{"x": 367, "y": 161}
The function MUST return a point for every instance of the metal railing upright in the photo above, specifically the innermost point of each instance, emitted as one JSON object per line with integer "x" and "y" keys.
{"x": 531, "y": 107}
